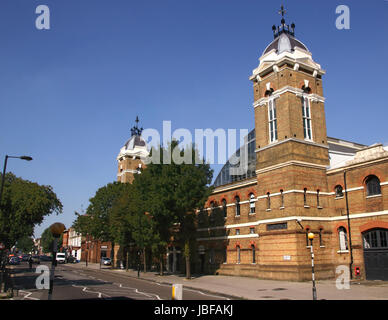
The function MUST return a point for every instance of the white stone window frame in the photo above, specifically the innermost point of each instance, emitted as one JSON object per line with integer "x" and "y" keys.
{"x": 272, "y": 120}
{"x": 307, "y": 120}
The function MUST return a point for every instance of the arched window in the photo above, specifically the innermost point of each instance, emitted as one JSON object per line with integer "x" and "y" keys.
{"x": 343, "y": 239}
{"x": 268, "y": 201}
{"x": 224, "y": 208}
{"x": 272, "y": 121}
{"x": 376, "y": 238}
{"x": 237, "y": 202}
{"x": 281, "y": 198}
{"x": 307, "y": 237}
{"x": 238, "y": 254}
{"x": 252, "y": 208}
{"x": 318, "y": 205}
{"x": 372, "y": 186}
{"x": 339, "y": 191}
{"x": 212, "y": 210}
{"x": 306, "y": 118}
{"x": 253, "y": 253}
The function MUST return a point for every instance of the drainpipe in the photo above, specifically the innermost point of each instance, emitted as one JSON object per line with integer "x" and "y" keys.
{"x": 350, "y": 234}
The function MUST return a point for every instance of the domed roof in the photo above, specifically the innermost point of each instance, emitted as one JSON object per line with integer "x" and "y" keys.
{"x": 284, "y": 42}
{"x": 134, "y": 141}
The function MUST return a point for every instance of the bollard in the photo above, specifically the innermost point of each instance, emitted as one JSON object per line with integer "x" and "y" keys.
{"x": 177, "y": 291}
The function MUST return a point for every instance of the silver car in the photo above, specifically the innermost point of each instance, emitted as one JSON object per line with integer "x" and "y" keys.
{"x": 106, "y": 261}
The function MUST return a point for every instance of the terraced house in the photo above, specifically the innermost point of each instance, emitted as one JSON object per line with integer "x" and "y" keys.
{"x": 298, "y": 180}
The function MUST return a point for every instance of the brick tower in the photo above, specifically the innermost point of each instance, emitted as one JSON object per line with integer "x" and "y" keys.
{"x": 129, "y": 158}
{"x": 292, "y": 152}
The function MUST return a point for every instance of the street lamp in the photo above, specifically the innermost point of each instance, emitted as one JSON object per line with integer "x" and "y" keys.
{"x": 2, "y": 256}
{"x": 27, "y": 158}
{"x": 56, "y": 230}
{"x": 311, "y": 238}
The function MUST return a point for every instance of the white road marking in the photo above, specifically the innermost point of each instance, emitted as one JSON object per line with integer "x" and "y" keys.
{"x": 27, "y": 296}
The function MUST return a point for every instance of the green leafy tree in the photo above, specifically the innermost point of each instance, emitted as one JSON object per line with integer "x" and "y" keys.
{"x": 24, "y": 204}
{"x": 47, "y": 241}
{"x": 25, "y": 244}
{"x": 171, "y": 193}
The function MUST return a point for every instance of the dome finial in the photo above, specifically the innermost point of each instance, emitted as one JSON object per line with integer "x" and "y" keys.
{"x": 283, "y": 28}
{"x": 136, "y": 131}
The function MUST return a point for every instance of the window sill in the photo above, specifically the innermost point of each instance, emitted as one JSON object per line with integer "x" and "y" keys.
{"x": 281, "y": 208}
{"x": 306, "y": 206}
{"x": 252, "y": 213}
{"x": 342, "y": 251}
{"x": 267, "y": 209}
{"x": 237, "y": 216}
{"x": 374, "y": 196}
{"x": 322, "y": 246}
{"x": 319, "y": 207}
{"x": 337, "y": 198}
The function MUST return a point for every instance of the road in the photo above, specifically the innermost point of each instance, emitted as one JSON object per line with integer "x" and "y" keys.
{"x": 75, "y": 283}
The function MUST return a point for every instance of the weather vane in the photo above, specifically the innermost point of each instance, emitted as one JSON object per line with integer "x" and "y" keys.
{"x": 136, "y": 131}
{"x": 282, "y": 11}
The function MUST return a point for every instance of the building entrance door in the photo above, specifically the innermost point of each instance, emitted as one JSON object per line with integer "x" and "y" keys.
{"x": 376, "y": 254}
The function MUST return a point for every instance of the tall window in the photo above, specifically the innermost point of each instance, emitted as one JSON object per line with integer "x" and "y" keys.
{"x": 272, "y": 121}
{"x": 306, "y": 118}
{"x": 238, "y": 254}
{"x": 305, "y": 197}
{"x": 281, "y": 199}
{"x": 339, "y": 191}
{"x": 372, "y": 186}
{"x": 343, "y": 239}
{"x": 268, "y": 201}
{"x": 320, "y": 237}
{"x": 237, "y": 199}
{"x": 253, "y": 253}
{"x": 224, "y": 208}
{"x": 318, "y": 205}
{"x": 252, "y": 203}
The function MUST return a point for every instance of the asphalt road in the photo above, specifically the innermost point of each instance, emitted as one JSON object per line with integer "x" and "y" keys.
{"x": 74, "y": 283}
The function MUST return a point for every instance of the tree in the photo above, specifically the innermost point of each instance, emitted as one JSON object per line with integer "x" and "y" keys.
{"x": 25, "y": 244}
{"x": 171, "y": 194}
{"x": 47, "y": 241}
{"x": 24, "y": 204}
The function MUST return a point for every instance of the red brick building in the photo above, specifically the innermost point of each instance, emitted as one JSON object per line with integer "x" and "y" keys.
{"x": 256, "y": 224}
{"x": 298, "y": 180}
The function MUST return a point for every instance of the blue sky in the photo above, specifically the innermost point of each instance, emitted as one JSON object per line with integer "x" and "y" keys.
{"x": 69, "y": 95}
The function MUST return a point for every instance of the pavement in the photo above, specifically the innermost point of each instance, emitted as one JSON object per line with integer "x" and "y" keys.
{"x": 258, "y": 289}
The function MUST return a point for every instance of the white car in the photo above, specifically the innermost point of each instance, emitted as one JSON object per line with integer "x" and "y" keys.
{"x": 61, "y": 257}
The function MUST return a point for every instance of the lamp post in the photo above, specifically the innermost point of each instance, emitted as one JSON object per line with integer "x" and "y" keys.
{"x": 311, "y": 238}
{"x": 56, "y": 230}
{"x": 2, "y": 257}
{"x": 27, "y": 158}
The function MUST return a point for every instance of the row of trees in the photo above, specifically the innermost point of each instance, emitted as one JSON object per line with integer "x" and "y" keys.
{"x": 157, "y": 208}
{"x": 24, "y": 205}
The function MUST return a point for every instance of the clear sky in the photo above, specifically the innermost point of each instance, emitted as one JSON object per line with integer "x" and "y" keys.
{"x": 69, "y": 95}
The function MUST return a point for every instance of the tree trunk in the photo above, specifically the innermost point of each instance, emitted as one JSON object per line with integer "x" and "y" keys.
{"x": 161, "y": 264}
{"x": 127, "y": 261}
{"x": 188, "y": 271}
{"x": 145, "y": 261}
{"x": 187, "y": 256}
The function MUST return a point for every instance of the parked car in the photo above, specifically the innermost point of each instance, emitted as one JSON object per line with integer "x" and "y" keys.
{"x": 106, "y": 261}
{"x": 61, "y": 257}
{"x": 45, "y": 258}
{"x": 36, "y": 259}
{"x": 14, "y": 260}
{"x": 25, "y": 257}
{"x": 71, "y": 259}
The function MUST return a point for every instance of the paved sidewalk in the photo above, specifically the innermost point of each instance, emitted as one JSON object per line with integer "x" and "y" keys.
{"x": 257, "y": 289}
